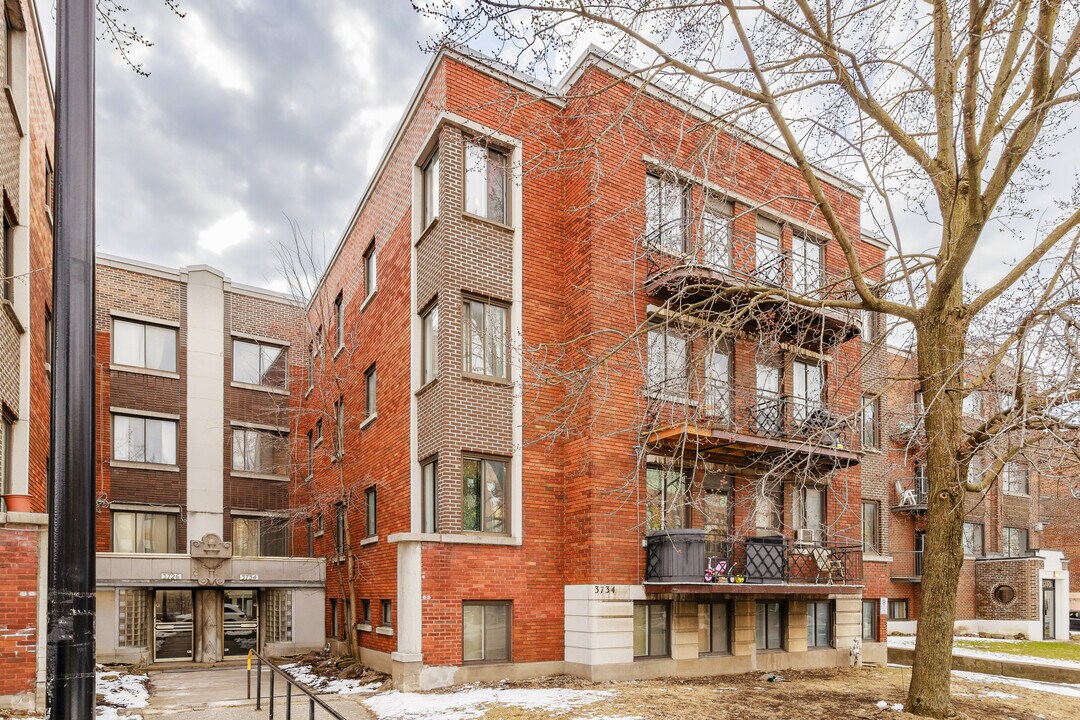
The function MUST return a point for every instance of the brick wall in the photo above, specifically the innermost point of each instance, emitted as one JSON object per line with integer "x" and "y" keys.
{"x": 1022, "y": 574}
{"x": 18, "y": 609}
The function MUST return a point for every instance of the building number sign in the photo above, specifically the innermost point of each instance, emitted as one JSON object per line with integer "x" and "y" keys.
{"x": 172, "y": 576}
{"x": 604, "y": 590}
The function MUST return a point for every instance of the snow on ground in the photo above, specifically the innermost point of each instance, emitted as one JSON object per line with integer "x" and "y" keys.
{"x": 908, "y": 641}
{"x": 473, "y": 702}
{"x": 1065, "y": 689}
{"x": 318, "y": 683}
{"x": 118, "y": 689}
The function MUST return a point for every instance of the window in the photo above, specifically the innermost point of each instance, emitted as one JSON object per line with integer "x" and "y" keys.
{"x": 339, "y": 320}
{"x": 144, "y": 440}
{"x": 485, "y": 338}
{"x": 973, "y": 539}
{"x": 133, "y": 605}
{"x": 483, "y": 495}
{"x": 6, "y": 453}
{"x": 9, "y": 257}
{"x": 769, "y": 629}
{"x": 310, "y": 454}
{"x": 365, "y": 611}
{"x": 870, "y": 620}
{"x": 370, "y": 500}
{"x": 809, "y": 387}
{"x": 714, "y": 628}
{"x": 869, "y": 421}
{"x": 1015, "y": 478}
{"x": 260, "y": 451}
{"x": 276, "y": 610}
{"x": 869, "y": 329}
{"x": 871, "y": 530}
{"x": 429, "y": 497}
{"x": 141, "y": 532}
{"x": 429, "y": 340}
{"x": 769, "y": 411}
{"x": 259, "y": 364}
{"x": 769, "y": 261}
{"x": 650, "y": 629}
{"x": 807, "y": 272}
{"x": 259, "y": 537}
{"x": 335, "y": 623}
{"x": 318, "y": 525}
{"x": 716, "y": 235}
{"x": 146, "y": 346}
{"x": 717, "y": 387}
{"x": 898, "y": 609}
{"x": 339, "y": 529}
{"x": 50, "y": 185}
{"x": 48, "y": 342}
{"x": 1005, "y": 594}
{"x": 665, "y": 202}
{"x": 486, "y": 631}
{"x": 667, "y": 363}
{"x": 430, "y": 173}
{"x": 318, "y": 431}
{"x": 371, "y": 272}
{"x": 339, "y": 427}
{"x": 310, "y": 527}
{"x": 972, "y": 404}
{"x": 769, "y": 507}
{"x": 667, "y": 502}
{"x": 819, "y": 623}
{"x": 1014, "y": 541}
{"x": 485, "y": 182}
{"x": 10, "y": 27}
{"x": 386, "y": 618}
{"x": 809, "y": 514}
{"x": 369, "y": 392}
{"x": 311, "y": 367}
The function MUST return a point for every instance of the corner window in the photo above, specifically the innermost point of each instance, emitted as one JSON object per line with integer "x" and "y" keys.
{"x": 369, "y": 392}
{"x": 871, "y": 532}
{"x": 1015, "y": 478}
{"x": 260, "y": 451}
{"x": 142, "y": 345}
{"x": 430, "y": 173}
{"x": 429, "y": 344}
{"x": 486, "y": 171}
{"x": 973, "y": 539}
{"x": 651, "y": 629}
{"x": 259, "y": 364}
{"x": 429, "y": 496}
{"x": 486, "y": 631}
{"x": 714, "y": 628}
{"x": 144, "y": 440}
{"x": 819, "y": 620}
{"x": 667, "y": 498}
{"x": 1014, "y": 541}
{"x": 667, "y": 363}
{"x": 898, "y": 609}
{"x": 139, "y": 532}
{"x": 486, "y": 339}
{"x": 483, "y": 495}
{"x": 870, "y": 620}
{"x": 869, "y": 421}
{"x": 386, "y": 620}
{"x": 371, "y": 277}
{"x": 259, "y": 537}
{"x": 665, "y": 208}
{"x": 370, "y": 500}
{"x": 769, "y": 628}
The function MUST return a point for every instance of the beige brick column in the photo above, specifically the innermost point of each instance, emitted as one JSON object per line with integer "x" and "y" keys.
{"x": 795, "y": 632}
{"x": 744, "y": 641}
{"x": 684, "y": 631}
{"x": 848, "y": 620}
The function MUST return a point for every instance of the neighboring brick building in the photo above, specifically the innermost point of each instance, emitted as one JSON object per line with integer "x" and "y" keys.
{"x": 26, "y": 141}
{"x": 195, "y": 380}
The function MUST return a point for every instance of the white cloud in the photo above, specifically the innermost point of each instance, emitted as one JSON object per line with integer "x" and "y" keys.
{"x": 224, "y": 66}
{"x": 226, "y": 232}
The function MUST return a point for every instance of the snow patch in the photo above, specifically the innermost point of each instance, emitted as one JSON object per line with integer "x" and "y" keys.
{"x": 907, "y": 641}
{"x": 1000, "y": 695}
{"x": 119, "y": 689}
{"x": 1056, "y": 688}
{"x": 332, "y": 686}
{"x": 471, "y": 703}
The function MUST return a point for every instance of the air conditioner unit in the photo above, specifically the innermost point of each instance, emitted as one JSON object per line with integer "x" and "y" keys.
{"x": 806, "y": 536}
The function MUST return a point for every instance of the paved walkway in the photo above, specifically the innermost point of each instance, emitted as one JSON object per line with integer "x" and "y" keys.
{"x": 222, "y": 693}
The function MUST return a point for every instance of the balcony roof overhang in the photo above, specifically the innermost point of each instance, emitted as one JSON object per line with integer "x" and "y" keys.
{"x": 735, "y": 447}
{"x": 757, "y": 589}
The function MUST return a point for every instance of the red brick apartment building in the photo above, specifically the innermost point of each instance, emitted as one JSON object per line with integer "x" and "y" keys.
{"x": 26, "y": 141}
{"x": 497, "y": 508}
{"x": 196, "y": 378}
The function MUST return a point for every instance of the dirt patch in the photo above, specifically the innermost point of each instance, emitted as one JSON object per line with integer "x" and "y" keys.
{"x": 337, "y": 667}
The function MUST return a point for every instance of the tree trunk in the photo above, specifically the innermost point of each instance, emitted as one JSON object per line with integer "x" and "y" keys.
{"x": 941, "y": 352}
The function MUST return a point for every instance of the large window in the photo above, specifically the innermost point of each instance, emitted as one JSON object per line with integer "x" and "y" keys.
{"x": 483, "y": 491}
{"x": 1014, "y": 541}
{"x": 261, "y": 451}
{"x": 1015, "y": 478}
{"x": 429, "y": 522}
{"x": 667, "y": 363}
{"x": 819, "y": 615}
{"x": 809, "y": 514}
{"x": 871, "y": 529}
{"x": 665, "y": 207}
{"x": 260, "y": 364}
{"x": 486, "y": 172}
{"x": 429, "y": 340}
{"x": 870, "y": 620}
{"x": 372, "y": 505}
{"x": 140, "y": 532}
{"x": 769, "y": 628}
{"x": 430, "y": 188}
{"x": 869, "y": 421}
{"x": 370, "y": 381}
{"x": 144, "y": 440}
{"x": 973, "y": 539}
{"x": 141, "y": 345}
{"x": 259, "y": 537}
{"x": 486, "y": 631}
{"x": 486, "y": 338}
{"x": 714, "y": 627}
{"x": 667, "y": 501}
{"x": 651, "y": 629}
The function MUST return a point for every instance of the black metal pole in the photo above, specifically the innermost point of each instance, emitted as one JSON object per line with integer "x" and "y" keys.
{"x": 70, "y": 662}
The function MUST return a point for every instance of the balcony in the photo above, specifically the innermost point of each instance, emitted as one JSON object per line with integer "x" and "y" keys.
{"x": 742, "y": 425}
{"x": 908, "y": 425}
{"x": 749, "y": 565}
{"x": 906, "y": 566}
{"x": 734, "y": 272}
{"x": 911, "y": 494}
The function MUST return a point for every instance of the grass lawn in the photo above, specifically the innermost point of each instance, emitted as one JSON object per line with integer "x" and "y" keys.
{"x": 1043, "y": 649}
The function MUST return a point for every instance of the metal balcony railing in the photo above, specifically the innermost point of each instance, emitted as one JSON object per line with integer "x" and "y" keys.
{"x": 696, "y": 556}
{"x": 906, "y": 565}
{"x": 911, "y": 493}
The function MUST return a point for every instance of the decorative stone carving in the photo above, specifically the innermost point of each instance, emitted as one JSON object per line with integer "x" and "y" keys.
{"x": 208, "y": 617}
{"x": 210, "y": 560}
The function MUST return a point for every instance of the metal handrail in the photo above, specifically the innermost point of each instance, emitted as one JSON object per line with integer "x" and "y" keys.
{"x": 290, "y": 681}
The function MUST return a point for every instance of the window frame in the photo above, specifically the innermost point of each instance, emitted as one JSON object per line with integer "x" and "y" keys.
{"x": 386, "y": 613}
{"x": 7, "y": 433}
{"x": 657, "y": 236}
{"x": 339, "y": 319}
{"x": 666, "y": 502}
{"x": 143, "y": 326}
{"x": 239, "y": 431}
{"x": 339, "y": 428}
{"x": 783, "y": 611}
{"x": 895, "y": 604}
{"x": 868, "y": 421}
{"x": 335, "y": 621}
{"x": 371, "y": 512}
{"x": 429, "y": 188}
{"x": 144, "y": 419}
{"x": 1016, "y": 479}
{"x": 1022, "y": 538}
{"x": 662, "y": 380}
{"x": 979, "y": 551}
{"x": 874, "y": 612}
{"x": 264, "y": 524}
{"x": 730, "y": 630}
{"x": 371, "y": 271}
{"x": 310, "y": 455}
{"x": 649, "y": 655}
{"x": 340, "y": 521}
{"x": 472, "y": 142}
{"x": 429, "y": 497}
{"x": 488, "y": 343}
{"x": 509, "y": 638}
{"x": 139, "y": 519}
{"x": 483, "y": 499}
{"x": 830, "y": 634}
{"x": 365, "y": 611}
{"x": 371, "y": 381}
{"x": 429, "y": 343}
{"x": 7, "y": 282}
{"x": 875, "y": 547}
{"x": 284, "y": 386}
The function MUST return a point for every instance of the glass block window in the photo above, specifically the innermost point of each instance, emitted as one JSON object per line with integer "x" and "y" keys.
{"x": 277, "y": 615}
{"x": 131, "y": 627}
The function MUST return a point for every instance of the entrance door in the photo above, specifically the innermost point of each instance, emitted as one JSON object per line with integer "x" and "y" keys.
{"x": 920, "y": 538}
{"x": 1049, "y": 610}
{"x": 173, "y": 614}
{"x": 241, "y": 622}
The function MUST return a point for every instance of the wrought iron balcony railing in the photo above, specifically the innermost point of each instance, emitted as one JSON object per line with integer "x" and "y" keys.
{"x": 906, "y": 565}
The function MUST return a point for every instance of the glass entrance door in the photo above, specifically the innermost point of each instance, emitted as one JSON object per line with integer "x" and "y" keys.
{"x": 173, "y": 615}
{"x": 1049, "y": 609}
{"x": 241, "y": 622}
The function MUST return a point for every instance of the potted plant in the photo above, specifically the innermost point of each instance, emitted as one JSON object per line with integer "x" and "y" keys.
{"x": 17, "y": 503}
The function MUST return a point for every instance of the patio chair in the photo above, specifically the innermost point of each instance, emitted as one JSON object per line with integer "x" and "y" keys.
{"x": 829, "y": 564}
{"x": 907, "y": 496}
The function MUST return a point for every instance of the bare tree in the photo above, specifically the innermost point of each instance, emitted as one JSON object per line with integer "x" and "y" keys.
{"x": 124, "y": 36}
{"x": 950, "y": 114}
